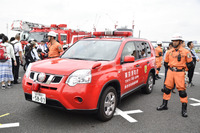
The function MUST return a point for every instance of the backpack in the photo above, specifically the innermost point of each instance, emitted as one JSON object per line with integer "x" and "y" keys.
{"x": 3, "y": 54}
{"x": 28, "y": 55}
{"x": 13, "y": 44}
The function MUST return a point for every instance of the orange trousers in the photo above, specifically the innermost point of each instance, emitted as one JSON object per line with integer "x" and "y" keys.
{"x": 177, "y": 78}
{"x": 158, "y": 63}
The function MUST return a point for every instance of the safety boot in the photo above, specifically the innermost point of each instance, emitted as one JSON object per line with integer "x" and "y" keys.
{"x": 184, "y": 110}
{"x": 158, "y": 77}
{"x": 163, "y": 106}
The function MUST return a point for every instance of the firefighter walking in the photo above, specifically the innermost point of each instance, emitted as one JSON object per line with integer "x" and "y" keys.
{"x": 177, "y": 60}
{"x": 159, "y": 54}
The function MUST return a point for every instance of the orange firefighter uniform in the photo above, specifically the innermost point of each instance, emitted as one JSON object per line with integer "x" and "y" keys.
{"x": 177, "y": 60}
{"x": 159, "y": 54}
{"x": 54, "y": 50}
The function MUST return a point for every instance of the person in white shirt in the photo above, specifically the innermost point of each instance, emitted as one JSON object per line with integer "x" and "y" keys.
{"x": 42, "y": 46}
{"x": 18, "y": 56}
{"x": 6, "y": 74}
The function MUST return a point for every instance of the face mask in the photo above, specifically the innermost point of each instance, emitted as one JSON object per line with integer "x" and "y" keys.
{"x": 177, "y": 45}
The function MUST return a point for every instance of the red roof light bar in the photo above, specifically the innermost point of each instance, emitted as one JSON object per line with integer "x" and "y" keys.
{"x": 113, "y": 33}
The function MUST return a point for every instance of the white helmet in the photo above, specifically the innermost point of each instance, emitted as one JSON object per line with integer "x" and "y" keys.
{"x": 159, "y": 42}
{"x": 52, "y": 33}
{"x": 177, "y": 37}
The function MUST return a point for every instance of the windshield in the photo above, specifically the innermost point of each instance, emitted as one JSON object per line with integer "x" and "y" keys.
{"x": 39, "y": 36}
{"x": 93, "y": 50}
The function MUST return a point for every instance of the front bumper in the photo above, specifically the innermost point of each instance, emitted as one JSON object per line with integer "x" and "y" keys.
{"x": 58, "y": 105}
{"x": 49, "y": 102}
{"x": 63, "y": 96}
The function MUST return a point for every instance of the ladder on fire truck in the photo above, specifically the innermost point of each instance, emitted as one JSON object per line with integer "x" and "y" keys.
{"x": 19, "y": 25}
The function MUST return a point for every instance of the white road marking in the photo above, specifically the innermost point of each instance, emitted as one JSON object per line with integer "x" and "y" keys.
{"x": 197, "y": 73}
{"x": 8, "y": 125}
{"x": 196, "y": 100}
{"x": 125, "y": 115}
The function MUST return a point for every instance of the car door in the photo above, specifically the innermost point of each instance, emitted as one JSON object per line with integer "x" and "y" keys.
{"x": 142, "y": 59}
{"x": 130, "y": 71}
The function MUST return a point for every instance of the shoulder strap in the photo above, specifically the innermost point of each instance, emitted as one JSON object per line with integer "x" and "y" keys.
{"x": 192, "y": 53}
{"x": 13, "y": 43}
{"x": 14, "y": 47}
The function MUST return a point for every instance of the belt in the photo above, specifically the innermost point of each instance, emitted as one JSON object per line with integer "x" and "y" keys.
{"x": 158, "y": 56}
{"x": 53, "y": 57}
{"x": 176, "y": 70}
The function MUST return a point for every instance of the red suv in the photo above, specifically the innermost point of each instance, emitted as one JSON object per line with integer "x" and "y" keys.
{"x": 94, "y": 74}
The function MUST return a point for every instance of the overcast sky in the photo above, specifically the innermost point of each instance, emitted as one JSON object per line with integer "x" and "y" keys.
{"x": 156, "y": 19}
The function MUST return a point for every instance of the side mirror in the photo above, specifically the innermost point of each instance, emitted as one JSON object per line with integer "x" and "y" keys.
{"x": 128, "y": 59}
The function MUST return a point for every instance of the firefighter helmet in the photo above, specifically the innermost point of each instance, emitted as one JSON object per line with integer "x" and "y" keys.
{"x": 52, "y": 33}
{"x": 159, "y": 42}
{"x": 177, "y": 37}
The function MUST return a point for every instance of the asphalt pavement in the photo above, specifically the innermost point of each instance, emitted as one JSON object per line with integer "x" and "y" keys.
{"x": 136, "y": 114}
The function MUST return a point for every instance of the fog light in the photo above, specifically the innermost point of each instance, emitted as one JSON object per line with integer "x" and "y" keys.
{"x": 78, "y": 99}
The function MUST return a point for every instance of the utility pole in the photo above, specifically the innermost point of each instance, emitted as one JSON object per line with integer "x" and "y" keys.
{"x": 133, "y": 25}
{"x": 139, "y": 34}
{"x": 7, "y": 28}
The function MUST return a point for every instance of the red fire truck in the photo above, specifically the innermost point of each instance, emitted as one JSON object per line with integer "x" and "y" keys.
{"x": 38, "y": 32}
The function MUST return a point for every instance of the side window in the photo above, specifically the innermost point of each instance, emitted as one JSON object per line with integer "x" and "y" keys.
{"x": 63, "y": 37}
{"x": 148, "y": 48}
{"x": 129, "y": 49}
{"x": 140, "y": 52}
{"x": 143, "y": 50}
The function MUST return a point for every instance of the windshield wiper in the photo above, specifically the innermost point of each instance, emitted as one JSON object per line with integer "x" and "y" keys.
{"x": 78, "y": 58}
{"x": 101, "y": 60}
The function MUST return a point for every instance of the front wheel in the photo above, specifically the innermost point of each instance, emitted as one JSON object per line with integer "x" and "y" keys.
{"x": 149, "y": 85}
{"x": 108, "y": 103}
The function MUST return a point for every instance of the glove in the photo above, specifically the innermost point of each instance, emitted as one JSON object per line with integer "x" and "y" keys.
{"x": 186, "y": 79}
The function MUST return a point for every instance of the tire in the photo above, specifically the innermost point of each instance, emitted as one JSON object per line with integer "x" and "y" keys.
{"x": 108, "y": 103}
{"x": 149, "y": 85}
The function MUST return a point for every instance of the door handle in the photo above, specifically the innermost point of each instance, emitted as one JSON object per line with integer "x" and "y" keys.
{"x": 137, "y": 65}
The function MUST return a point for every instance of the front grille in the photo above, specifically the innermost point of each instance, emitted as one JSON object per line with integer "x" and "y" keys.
{"x": 46, "y": 87}
{"x": 50, "y": 78}
{"x": 43, "y": 87}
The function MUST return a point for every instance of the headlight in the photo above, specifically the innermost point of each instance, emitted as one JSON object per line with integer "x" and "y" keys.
{"x": 79, "y": 77}
{"x": 28, "y": 70}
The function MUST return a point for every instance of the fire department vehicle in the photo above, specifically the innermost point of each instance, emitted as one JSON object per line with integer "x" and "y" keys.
{"x": 38, "y": 32}
{"x": 94, "y": 74}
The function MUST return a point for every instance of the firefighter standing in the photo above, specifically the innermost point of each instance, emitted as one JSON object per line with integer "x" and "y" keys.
{"x": 54, "y": 47}
{"x": 177, "y": 60}
{"x": 159, "y": 54}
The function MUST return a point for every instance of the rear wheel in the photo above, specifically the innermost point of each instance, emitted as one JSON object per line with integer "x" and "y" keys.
{"x": 149, "y": 85}
{"x": 108, "y": 104}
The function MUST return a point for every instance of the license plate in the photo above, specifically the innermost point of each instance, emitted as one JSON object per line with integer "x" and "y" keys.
{"x": 39, "y": 97}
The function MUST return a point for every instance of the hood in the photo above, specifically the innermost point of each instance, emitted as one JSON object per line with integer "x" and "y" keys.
{"x": 63, "y": 66}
